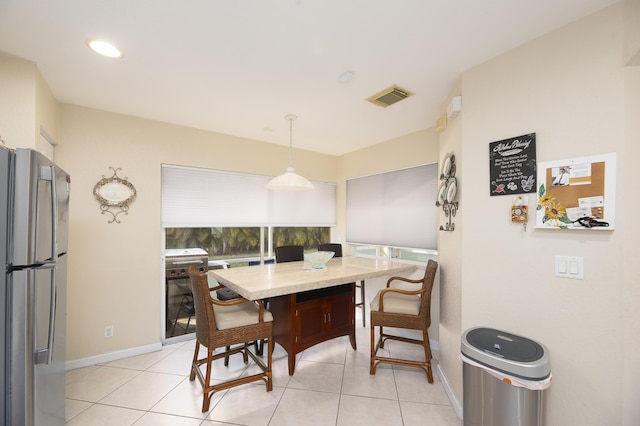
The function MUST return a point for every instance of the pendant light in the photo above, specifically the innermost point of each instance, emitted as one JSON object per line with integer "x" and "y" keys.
{"x": 290, "y": 181}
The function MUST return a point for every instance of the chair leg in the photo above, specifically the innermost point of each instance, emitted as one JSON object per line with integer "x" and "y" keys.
{"x": 259, "y": 344}
{"x": 427, "y": 355}
{"x": 375, "y": 359}
{"x": 206, "y": 399}
{"x": 226, "y": 358}
{"x": 362, "y": 300}
{"x": 372, "y": 367}
{"x": 173, "y": 327}
{"x": 194, "y": 364}
{"x": 175, "y": 321}
{"x": 186, "y": 329}
{"x": 190, "y": 311}
{"x": 245, "y": 356}
{"x": 270, "y": 347}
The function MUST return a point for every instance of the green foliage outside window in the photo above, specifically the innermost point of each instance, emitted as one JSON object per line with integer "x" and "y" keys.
{"x": 230, "y": 242}
{"x": 309, "y": 237}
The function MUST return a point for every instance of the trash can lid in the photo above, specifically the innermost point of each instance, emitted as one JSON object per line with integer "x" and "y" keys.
{"x": 506, "y": 352}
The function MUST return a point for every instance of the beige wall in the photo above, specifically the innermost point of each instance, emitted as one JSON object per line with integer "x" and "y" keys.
{"x": 17, "y": 102}
{"x": 115, "y": 270}
{"x": 46, "y": 115}
{"x": 450, "y": 257}
{"x": 569, "y": 88}
{"x": 26, "y": 104}
{"x": 632, "y": 32}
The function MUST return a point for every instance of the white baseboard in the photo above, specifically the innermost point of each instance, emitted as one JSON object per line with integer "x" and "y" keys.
{"x": 457, "y": 406}
{"x": 112, "y": 356}
{"x": 435, "y": 353}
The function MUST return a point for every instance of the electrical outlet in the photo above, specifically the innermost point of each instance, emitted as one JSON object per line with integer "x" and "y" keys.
{"x": 108, "y": 331}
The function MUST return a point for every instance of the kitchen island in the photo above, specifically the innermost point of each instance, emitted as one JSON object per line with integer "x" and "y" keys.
{"x": 309, "y": 306}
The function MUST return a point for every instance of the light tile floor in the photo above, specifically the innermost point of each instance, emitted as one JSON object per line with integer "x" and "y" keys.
{"x": 331, "y": 386}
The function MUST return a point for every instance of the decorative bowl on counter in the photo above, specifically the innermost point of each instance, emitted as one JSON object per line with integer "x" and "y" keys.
{"x": 319, "y": 259}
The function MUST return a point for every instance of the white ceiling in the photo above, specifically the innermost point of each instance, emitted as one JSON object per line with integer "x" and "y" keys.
{"x": 239, "y": 66}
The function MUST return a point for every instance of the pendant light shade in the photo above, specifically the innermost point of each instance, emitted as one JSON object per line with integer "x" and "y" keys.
{"x": 290, "y": 181}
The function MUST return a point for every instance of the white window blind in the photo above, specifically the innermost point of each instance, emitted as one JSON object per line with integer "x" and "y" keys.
{"x": 394, "y": 209}
{"x": 196, "y": 197}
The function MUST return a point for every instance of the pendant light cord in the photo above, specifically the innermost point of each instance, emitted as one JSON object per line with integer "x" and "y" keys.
{"x": 291, "y": 118}
{"x": 291, "y": 141}
{"x": 289, "y": 180}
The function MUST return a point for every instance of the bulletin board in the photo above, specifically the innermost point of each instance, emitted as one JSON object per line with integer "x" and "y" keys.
{"x": 577, "y": 193}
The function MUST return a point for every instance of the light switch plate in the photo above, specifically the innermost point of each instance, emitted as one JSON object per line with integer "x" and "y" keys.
{"x": 569, "y": 267}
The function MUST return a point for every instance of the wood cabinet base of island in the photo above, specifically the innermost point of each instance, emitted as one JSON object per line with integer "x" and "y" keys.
{"x": 302, "y": 320}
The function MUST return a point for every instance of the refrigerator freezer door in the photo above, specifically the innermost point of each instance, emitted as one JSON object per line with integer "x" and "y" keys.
{"x": 38, "y": 318}
{"x": 50, "y": 369}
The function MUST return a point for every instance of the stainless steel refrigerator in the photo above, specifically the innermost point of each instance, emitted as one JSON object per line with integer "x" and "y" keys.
{"x": 34, "y": 218}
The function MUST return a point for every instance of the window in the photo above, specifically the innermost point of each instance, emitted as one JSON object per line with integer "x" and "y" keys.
{"x": 194, "y": 197}
{"x": 234, "y": 217}
{"x": 395, "y": 253}
{"x": 393, "y": 214}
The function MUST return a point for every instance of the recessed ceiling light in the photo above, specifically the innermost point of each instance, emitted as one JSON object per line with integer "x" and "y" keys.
{"x": 105, "y": 49}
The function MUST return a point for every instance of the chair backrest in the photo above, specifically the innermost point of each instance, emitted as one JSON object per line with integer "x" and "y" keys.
{"x": 205, "y": 318}
{"x": 427, "y": 284}
{"x": 289, "y": 254}
{"x": 334, "y": 247}
{"x": 257, "y": 262}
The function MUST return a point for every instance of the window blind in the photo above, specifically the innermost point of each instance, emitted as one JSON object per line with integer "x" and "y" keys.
{"x": 197, "y": 197}
{"x": 395, "y": 208}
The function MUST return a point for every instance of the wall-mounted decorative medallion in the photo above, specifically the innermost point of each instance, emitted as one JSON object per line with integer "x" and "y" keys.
{"x": 447, "y": 191}
{"x": 114, "y": 195}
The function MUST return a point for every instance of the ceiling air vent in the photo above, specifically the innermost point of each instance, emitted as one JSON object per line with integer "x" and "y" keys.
{"x": 389, "y": 96}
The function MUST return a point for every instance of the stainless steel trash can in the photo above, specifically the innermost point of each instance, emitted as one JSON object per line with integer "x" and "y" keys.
{"x": 504, "y": 377}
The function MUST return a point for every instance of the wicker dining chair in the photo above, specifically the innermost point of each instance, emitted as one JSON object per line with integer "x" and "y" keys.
{"x": 235, "y": 323}
{"x": 403, "y": 308}
{"x": 225, "y": 293}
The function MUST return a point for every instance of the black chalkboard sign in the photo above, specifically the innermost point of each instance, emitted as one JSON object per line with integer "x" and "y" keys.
{"x": 512, "y": 165}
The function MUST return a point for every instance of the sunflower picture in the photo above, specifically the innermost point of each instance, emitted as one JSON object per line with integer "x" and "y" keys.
{"x": 555, "y": 214}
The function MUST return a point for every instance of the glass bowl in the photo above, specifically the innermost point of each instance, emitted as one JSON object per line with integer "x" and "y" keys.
{"x": 319, "y": 259}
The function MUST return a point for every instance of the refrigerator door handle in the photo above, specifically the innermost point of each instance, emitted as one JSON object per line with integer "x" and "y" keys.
{"x": 48, "y": 173}
{"x": 45, "y": 355}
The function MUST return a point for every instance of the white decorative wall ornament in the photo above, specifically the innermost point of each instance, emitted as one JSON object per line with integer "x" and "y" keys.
{"x": 114, "y": 193}
{"x": 447, "y": 191}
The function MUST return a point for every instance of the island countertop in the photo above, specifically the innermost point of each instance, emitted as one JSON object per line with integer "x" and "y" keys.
{"x": 264, "y": 281}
